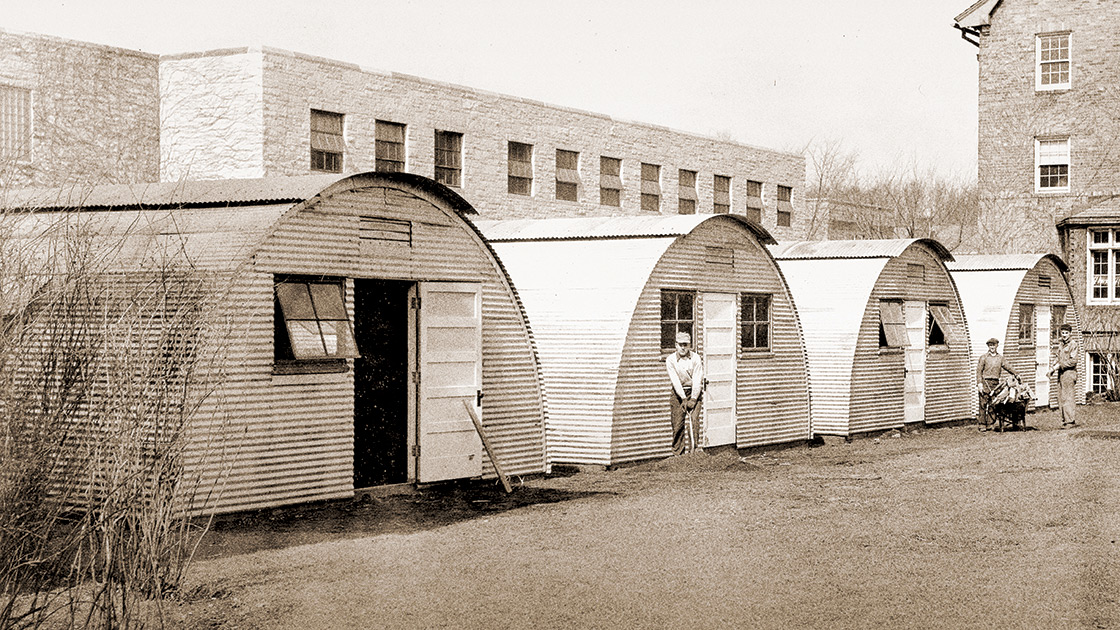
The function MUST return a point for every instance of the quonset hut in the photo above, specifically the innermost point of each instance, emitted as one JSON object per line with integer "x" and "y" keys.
{"x": 365, "y": 319}
{"x": 1021, "y": 300}
{"x": 884, "y": 332}
{"x": 606, "y": 296}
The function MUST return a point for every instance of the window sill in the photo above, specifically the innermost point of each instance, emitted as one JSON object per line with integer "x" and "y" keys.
{"x": 317, "y": 366}
{"x": 1050, "y": 192}
{"x": 1053, "y": 89}
{"x": 756, "y": 353}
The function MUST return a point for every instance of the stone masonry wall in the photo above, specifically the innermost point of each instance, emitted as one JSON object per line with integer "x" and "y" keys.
{"x": 1012, "y": 114}
{"x": 212, "y": 116}
{"x": 95, "y": 111}
{"x": 293, "y": 84}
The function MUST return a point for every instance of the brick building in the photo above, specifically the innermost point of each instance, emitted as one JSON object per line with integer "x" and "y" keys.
{"x": 1049, "y": 147}
{"x": 76, "y": 112}
{"x": 255, "y": 112}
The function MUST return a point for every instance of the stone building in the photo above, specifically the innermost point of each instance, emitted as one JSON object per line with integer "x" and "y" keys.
{"x": 1049, "y": 147}
{"x": 256, "y": 112}
{"x": 76, "y": 112}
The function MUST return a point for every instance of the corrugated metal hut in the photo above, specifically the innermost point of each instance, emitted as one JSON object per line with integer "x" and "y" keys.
{"x": 884, "y": 331}
{"x": 364, "y": 314}
{"x": 1021, "y": 300}
{"x": 606, "y": 296}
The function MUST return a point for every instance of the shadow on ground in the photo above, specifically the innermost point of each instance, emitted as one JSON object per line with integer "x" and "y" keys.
{"x": 408, "y": 512}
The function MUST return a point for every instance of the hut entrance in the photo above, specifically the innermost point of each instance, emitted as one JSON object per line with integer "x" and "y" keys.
{"x": 1042, "y": 355}
{"x": 383, "y": 332}
{"x": 719, "y": 368}
{"x": 450, "y": 389}
{"x": 915, "y": 360}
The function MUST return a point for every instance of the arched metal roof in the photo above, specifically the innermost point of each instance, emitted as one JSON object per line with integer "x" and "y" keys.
{"x": 214, "y": 193}
{"x": 991, "y": 262}
{"x": 882, "y": 248}
{"x": 586, "y": 228}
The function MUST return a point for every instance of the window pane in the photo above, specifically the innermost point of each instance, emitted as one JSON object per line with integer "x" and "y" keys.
{"x": 686, "y": 206}
{"x": 328, "y": 301}
{"x": 754, "y": 189}
{"x": 785, "y": 193}
{"x": 651, "y": 172}
{"x": 722, "y": 183}
{"x": 684, "y": 306}
{"x": 668, "y": 334}
{"x": 567, "y": 192}
{"x": 610, "y": 197}
{"x": 610, "y": 166}
{"x": 762, "y": 336}
{"x": 295, "y": 301}
{"x": 668, "y": 306}
{"x": 687, "y": 178}
{"x": 338, "y": 340}
{"x": 784, "y": 218}
{"x": 519, "y": 152}
{"x": 651, "y": 203}
{"x": 307, "y": 343}
{"x": 567, "y": 159}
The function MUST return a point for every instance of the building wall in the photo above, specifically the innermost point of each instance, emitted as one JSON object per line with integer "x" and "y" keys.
{"x": 293, "y": 84}
{"x": 290, "y": 438}
{"x": 95, "y": 111}
{"x": 208, "y": 97}
{"x": 878, "y": 375}
{"x": 772, "y": 404}
{"x": 1100, "y": 323}
{"x": 1012, "y": 114}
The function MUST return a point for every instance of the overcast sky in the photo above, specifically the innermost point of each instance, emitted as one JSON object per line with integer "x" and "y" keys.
{"x": 890, "y": 79}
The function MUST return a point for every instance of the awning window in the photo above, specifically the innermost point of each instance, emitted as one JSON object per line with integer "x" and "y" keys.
{"x": 893, "y": 325}
{"x": 316, "y": 320}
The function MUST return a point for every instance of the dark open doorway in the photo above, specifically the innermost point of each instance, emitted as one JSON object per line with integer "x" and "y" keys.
{"x": 381, "y": 329}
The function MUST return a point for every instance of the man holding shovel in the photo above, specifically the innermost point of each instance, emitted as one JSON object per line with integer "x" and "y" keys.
{"x": 686, "y": 373}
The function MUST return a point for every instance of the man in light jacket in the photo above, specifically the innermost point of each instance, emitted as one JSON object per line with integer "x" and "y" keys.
{"x": 686, "y": 373}
{"x": 1066, "y": 368}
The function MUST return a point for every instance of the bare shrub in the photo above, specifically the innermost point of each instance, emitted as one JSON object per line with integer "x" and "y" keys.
{"x": 107, "y": 350}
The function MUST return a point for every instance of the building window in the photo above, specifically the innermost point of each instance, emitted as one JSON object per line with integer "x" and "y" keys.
{"x": 754, "y": 201}
{"x": 892, "y": 326}
{"x": 651, "y": 187}
{"x": 15, "y": 124}
{"x": 785, "y": 206}
{"x": 721, "y": 194}
{"x": 388, "y": 145}
{"x": 610, "y": 181}
{"x": 676, "y": 316}
{"x": 1057, "y": 318}
{"x": 686, "y": 192}
{"x": 520, "y": 180}
{"x": 1104, "y": 266}
{"x": 1052, "y": 61}
{"x": 943, "y": 329}
{"x": 755, "y": 322}
{"x": 1099, "y": 367}
{"x": 449, "y": 158}
{"x": 312, "y": 331}
{"x": 567, "y": 175}
{"x": 1026, "y": 324}
{"x": 1051, "y": 158}
{"x": 327, "y": 144}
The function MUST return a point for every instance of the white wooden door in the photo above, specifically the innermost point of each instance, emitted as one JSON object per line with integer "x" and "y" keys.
{"x": 1041, "y": 382}
{"x": 450, "y": 373}
{"x": 719, "y": 367}
{"x": 914, "y": 389}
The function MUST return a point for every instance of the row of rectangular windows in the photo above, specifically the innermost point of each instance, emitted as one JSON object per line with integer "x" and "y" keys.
{"x": 327, "y": 149}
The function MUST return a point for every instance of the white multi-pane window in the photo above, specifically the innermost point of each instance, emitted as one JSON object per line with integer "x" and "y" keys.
{"x": 1051, "y": 158}
{"x": 1104, "y": 267}
{"x": 1051, "y": 61}
{"x": 1098, "y": 368}
{"x": 15, "y": 124}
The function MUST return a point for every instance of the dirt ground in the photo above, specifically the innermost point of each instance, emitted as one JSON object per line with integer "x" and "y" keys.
{"x": 936, "y": 528}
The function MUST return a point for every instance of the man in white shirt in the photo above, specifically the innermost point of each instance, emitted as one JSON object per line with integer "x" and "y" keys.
{"x": 686, "y": 373}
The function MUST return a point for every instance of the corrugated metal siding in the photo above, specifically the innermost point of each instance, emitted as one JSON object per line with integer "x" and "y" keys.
{"x": 987, "y": 297}
{"x": 772, "y": 403}
{"x": 580, "y": 297}
{"x": 832, "y": 298}
{"x": 1022, "y": 357}
{"x": 282, "y": 449}
{"x": 877, "y": 376}
{"x": 583, "y": 228}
